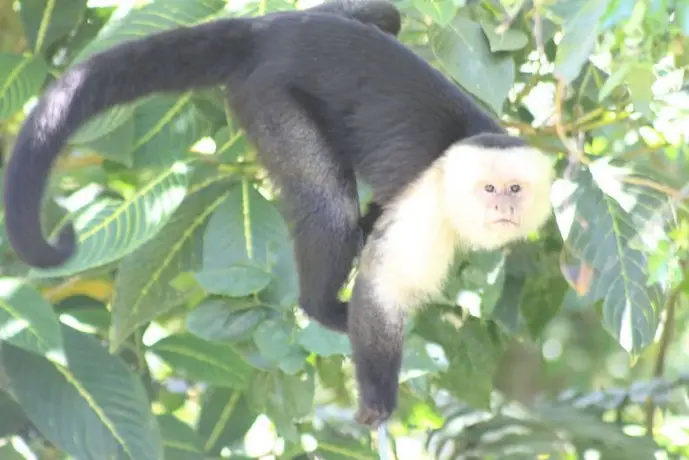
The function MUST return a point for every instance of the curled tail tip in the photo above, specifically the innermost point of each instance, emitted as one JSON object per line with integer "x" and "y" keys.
{"x": 44, "y": 255}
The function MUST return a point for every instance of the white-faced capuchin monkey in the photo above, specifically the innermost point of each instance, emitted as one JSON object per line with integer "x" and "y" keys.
{"x": 321, "y": 96}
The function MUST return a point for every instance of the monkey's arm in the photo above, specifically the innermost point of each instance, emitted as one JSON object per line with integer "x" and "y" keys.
{"x": 376, "y": 332}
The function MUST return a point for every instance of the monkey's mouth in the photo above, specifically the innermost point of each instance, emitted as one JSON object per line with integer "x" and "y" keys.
{"x": 505, "y": 222}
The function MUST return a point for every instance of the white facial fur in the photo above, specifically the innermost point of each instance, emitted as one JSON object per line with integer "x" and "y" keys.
{"x": 448, "y": 207}
{"x": 490, "y": 219}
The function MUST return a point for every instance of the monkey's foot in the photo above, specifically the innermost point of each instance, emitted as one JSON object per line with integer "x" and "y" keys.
{"x": 372, "y": 416}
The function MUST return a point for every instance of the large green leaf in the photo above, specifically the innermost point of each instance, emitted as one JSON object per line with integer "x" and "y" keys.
{"x": 179, "y": 439}
{"x": 226, "y": 319}
{"x": 463, "y": 52}
{"x": 324, "y": 342}
{"x": 164, "y": 129}
{"x": 12, "y": 417}
{"x": 241, "y": 244}
{"x": 110, "y": 229}
{"x": 140, "y": 22}
{"x": 606, "y": 225}
{"x": 20, "y": 78}
{"x": 545, "y": 431}
{"x": 579, "y": 37}
{"x": 276, "y": 340}
{"x": 94, "y": 408}
{"x": 142, "y": 285}
{"x": 214, "y": 363}
{"x": 440, "y": 11}
{"x": 472, "y": 350}
{"x": 284, "y": 398}
{"x": 225, "y": 418}
{"x": 27, "y": 320}
{"x": 508, "y": 40}
{"x": 46, "y": 21}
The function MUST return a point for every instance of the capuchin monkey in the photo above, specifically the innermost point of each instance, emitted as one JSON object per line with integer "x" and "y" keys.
{"x": 322, "y": 96}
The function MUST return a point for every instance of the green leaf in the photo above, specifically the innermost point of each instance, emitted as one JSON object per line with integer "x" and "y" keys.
{"x": 214, "y": 363}
{"x": 12, "y": 417}
{"x": 179, "y": 439}
{"x": 275, "y": 338}
{"x": 164, "y": 129}
{"x": 142, "y": 285}
{"x": 640, "y": 79}
{"x": 416, "y": 360}
{"x": 224, "y": 320}
{"x": 110, "y": 229}
{"x": 231, "y": 145}
{"x": 284, "y": 398}
{"x": 116, "y": 145}
{"x": 20, "y": 78}
{"x": 336, "y": 445}
{"x": 139, "y": 22}
{"x": 8, "y": 452}
{"x": 27, "y": 320}
{"x": 93, "y": 409}
{"x": 541, "y": 298}
{"x": 440, "y": 11}
{"x": 509, "y": 40}
{"x": 472, "y": 350}
{"x": 233, "y": 281}
{"x": 604, "y": 223}
{"x": 47, "y": 21}
{"x": 247, "y": 231}
{"x": 463, "y": 52}
{"x": 324, "y": 342}
{"x": 579, "y": 37}
{"x": 682, "y": 17}
{"x": 225, "y": 418}
{"x": 615, "y": 80}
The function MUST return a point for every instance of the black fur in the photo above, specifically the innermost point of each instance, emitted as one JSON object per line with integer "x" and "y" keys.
{"x": 321, "y": 96}
{"x": 382, "y": 14}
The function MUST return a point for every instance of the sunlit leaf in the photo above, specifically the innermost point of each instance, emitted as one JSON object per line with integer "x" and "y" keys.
{"x": 225, "y": 418}
{"x": 508, "y": 40}
{"x": 95, "y": 408}
{"x": 221, "y": 320}
{"x": 20, "y": 78}
{"x": 215, "y": 363}
{"x": 27, "y": 320}
{"x": 143, "y": 287}
{"x": 46, "y": 21}
{"x": 179, "y": 439}
{"x": 150, "y": 18}
{"x": 580, "y": 34}
{"x": 463, "y": 52}
{"x": 110, "y": 229}
{"x": 440, "y": 11}
{"x": 608, "y": 226}
{"x": 472, "y": 350}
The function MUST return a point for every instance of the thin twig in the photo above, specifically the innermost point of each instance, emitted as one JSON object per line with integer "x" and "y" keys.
{"x": 663, "y": 346}
{"x": 572, "y": 150}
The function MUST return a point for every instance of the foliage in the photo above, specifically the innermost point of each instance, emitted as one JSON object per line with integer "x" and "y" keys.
{"x": 174, "y": 332}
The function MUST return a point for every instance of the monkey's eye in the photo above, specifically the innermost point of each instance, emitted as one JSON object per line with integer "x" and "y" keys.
{"x": 515, "y": 188}
{"x": 489, "y": 188}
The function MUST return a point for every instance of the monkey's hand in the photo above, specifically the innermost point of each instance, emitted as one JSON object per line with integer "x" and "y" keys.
{"x": 377, "y": 401}
{"x": 372, "y": 416}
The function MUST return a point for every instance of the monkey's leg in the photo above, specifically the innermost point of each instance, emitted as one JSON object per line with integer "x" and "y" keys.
{"x": 317, "y": 188}
{"x": 376, "y": 332}
{"x": 326, "y": 240}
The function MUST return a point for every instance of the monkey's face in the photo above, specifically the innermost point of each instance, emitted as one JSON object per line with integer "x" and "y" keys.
{"x": 497, "y": 196}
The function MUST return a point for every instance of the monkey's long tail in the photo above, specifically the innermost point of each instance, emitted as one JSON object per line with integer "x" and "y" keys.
{"x": 175, "y": 60}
